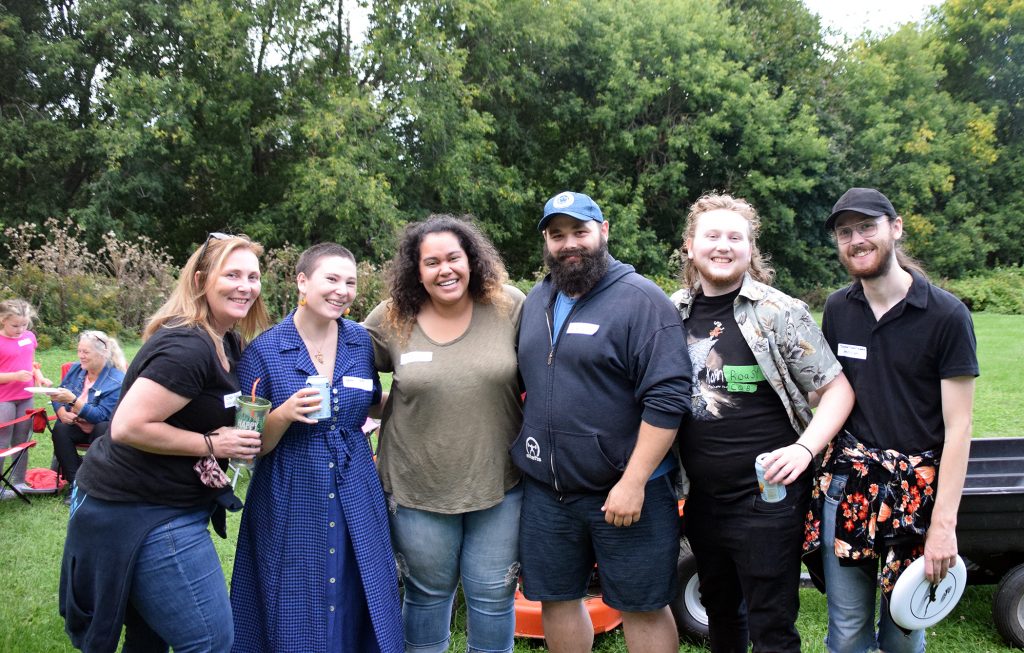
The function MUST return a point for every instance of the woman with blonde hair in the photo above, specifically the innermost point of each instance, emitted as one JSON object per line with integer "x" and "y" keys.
{"x": 156, "y": 479}
{"x": 86, "y": 399}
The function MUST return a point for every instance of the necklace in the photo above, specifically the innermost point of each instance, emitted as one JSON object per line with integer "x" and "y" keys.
{"x": 319, "y": 355}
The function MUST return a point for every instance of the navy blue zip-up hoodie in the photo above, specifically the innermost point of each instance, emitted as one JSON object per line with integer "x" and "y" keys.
{"x": 620, "y": 358}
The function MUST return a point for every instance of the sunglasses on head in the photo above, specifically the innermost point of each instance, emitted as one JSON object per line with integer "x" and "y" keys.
{"x": 213, "y": 235}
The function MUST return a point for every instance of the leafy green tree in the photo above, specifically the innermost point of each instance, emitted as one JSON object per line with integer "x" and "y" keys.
{"x": 983, "y": 52}
{"x": 896, "y": 129}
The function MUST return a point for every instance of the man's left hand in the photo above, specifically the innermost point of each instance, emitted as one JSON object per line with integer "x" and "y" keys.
{"x": 623, "y": 505}
{"x": 939, "y": 552}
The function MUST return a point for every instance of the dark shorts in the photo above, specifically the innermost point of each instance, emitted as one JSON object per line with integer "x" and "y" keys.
{"x": 562, "y": 536}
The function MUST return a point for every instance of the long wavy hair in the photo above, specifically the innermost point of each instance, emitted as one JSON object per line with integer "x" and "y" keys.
{"x": 105, "y": 346}
{"x": 759, "y": 269}
{"x": 486, "y": 270}
{"x": 187, "y": 305}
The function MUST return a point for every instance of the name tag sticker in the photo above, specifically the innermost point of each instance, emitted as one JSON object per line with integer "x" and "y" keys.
{"x": 416, "y": 357}
{"x": 357, "y": 383}
{"x": 853, "y": 351}
{"x": 231, "y": 400}
{"x": 582, "y": 328}
{"x": 25, "y": 342}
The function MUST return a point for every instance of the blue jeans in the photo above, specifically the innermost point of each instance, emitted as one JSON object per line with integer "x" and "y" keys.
{"x": 850, "y": 592}
{"x": 433, "y": 550}
{"x": 178, "y": 591}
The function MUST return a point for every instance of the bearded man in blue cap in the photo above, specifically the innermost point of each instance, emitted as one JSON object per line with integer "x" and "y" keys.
{"x": 603, "y": 359}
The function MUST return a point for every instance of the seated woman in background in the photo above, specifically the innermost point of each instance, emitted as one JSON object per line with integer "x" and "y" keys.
{"x": 86, "y": 398}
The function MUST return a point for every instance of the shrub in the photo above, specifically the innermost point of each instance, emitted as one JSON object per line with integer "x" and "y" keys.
{"x": 74, "y": 289}
{"x": 280, "y": 294}
{"x": 144, "y": 276}
{"x": 278, "y": 287}
{"x": 997, "y": 291}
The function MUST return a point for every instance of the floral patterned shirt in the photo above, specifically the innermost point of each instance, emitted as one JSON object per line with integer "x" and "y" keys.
{"x": 885, "y": 507}
{"x": 786, "y": 342}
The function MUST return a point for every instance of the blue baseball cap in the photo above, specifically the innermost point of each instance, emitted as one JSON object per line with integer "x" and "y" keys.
{"x": 574, "y": 205}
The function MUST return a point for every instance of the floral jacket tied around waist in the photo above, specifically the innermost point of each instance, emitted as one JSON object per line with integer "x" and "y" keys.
{"x": 886, "y": 507}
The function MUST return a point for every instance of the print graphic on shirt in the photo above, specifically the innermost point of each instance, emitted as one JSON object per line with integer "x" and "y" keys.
{"x": 718, "y": 385}
{"x": 533, "y": 449}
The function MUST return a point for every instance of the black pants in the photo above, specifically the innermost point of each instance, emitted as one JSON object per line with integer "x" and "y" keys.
{"x": 65, "y": 437}
{"x": 748, "y": 562}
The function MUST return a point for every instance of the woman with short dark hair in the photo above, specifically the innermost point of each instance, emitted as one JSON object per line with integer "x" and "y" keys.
{"x": 314, "y": 569}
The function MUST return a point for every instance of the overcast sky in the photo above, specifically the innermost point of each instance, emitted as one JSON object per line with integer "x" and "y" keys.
{"x": 852, "y": 17}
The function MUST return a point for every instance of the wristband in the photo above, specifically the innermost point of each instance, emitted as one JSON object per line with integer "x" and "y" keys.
{"x": 209, "y": 443}
{"x": 804, "y": 447}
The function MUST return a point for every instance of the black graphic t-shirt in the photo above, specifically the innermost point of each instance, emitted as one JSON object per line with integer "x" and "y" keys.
{"x": 736, "y": 413}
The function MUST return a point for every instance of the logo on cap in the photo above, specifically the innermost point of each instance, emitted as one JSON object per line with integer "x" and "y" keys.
{"x": 563, "y": 200}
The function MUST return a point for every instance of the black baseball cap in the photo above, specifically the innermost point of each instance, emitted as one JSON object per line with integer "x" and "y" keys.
{"x": 866, "y": 201}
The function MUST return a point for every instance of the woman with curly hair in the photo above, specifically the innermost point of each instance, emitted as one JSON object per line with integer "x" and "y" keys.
{"x": 448, "y": 334}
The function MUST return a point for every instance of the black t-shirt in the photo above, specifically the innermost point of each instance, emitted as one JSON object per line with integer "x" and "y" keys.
{"x": 896, "y": 364}
{"x": 184, "y": 361}
{"x": 736, "y": 413}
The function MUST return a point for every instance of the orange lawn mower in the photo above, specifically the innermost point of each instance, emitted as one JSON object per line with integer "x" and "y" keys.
{"x": 690, "y": 616}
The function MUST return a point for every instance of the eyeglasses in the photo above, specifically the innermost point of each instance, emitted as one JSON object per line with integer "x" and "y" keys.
{"x": 213, "y": 235}
{"x": 867, "y": 229}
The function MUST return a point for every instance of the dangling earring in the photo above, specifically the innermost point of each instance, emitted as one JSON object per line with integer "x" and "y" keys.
{"x": 302, "y": 300}
{"x": 347, "y": 311}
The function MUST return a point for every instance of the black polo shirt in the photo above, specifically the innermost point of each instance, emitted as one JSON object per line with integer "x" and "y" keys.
{"x": 895, "y": 364}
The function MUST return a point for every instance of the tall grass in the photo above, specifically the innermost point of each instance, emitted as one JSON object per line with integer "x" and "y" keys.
{"x": 31, "y": 537}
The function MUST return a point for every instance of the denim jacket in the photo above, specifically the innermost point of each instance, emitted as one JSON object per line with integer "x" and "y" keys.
{"x": 787, "y": 344}
{"x": 103, "y": 394}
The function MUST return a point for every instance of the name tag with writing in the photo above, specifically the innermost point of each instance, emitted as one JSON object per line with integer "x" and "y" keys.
{"x": 25, "y": 342}
{"x": 582, "y": 328}
{"x": 416, "y": 357}
{"x": 853, "y": 351}
{"x": 231, "y": 400}
{"x": 357, "y": 383}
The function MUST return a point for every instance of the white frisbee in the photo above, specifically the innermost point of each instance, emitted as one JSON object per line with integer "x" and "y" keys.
{"x": 40, "y": 390}
{"x": 913, "y": 605}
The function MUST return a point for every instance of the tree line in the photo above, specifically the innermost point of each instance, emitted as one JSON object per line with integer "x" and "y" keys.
{"x": 169, "y": 119}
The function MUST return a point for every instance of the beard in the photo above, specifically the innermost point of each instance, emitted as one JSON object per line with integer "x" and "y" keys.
{"x": 882, "y": 265}
{"x": 719, "y": 279}
{"x": 575, "y": 279}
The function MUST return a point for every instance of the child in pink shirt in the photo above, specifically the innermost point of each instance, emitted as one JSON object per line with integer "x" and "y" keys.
{"x": 17, "y": 371}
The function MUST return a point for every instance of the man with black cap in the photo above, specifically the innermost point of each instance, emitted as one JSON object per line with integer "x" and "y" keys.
{"x": 909, "y": 351}
{"x": 603, "y": 361}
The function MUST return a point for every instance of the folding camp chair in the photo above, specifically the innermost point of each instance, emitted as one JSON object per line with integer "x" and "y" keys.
{"x": 14, "y": 454}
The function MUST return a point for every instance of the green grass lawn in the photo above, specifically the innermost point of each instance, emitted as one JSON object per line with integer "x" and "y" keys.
{"x": 31, "y": 537}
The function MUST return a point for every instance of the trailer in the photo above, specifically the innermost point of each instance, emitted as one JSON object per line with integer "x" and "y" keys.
{"x": 990, "y": 537}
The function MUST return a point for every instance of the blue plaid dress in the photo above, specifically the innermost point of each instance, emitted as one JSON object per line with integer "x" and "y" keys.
{"x": 314, "y": 569}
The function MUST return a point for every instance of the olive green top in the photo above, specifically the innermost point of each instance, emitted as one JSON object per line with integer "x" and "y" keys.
{"x": 453, "y": 411}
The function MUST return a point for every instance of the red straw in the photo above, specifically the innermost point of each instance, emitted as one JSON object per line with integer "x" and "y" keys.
{"x": 253, "y": 393}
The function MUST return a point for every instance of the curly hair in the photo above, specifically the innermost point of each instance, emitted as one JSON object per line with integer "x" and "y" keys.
{"x": 487, "y": 271}
{"x": 759, "y": 268}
